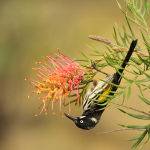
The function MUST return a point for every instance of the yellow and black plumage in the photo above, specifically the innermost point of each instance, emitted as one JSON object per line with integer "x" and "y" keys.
{"x": 95, "y": 100}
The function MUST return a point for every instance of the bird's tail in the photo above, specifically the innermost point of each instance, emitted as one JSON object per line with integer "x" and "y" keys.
{"x": 118, "y": 74}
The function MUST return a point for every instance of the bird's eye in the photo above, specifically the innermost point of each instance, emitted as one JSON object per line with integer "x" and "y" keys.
{"x": 81, "y": 121}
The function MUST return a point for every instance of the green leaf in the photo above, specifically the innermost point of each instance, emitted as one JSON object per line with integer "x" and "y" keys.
{"x": 133, "y": 126}
{"x": 140, "y": 139}
{"x": 119, "y": 5}
{"x": 148, "y": 136}
{"x": 136, "y": 61}
{"x": 145, "y": 61}
{"x": 144, "y": 100}
{"x": 85, "y": 56}
{"x": 124, "y": 95}
{"x": 115, "y": 35}
{"x": 133, "y": 139}
{"x": 147, "y": 75}
{"x": 146, "y": 43}
{"x": 137, "y": 116}
{"x": 129, "y": 92}
{"x": 129, "y": 26}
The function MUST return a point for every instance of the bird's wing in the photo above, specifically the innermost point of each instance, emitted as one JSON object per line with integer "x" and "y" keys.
{"x": 98, "y": 94}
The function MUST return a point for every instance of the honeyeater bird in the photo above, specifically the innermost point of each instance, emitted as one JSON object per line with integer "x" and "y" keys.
{"x": 95, "y": 100}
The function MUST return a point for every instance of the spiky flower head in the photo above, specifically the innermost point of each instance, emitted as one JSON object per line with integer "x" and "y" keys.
{"x": 56, "y": 77}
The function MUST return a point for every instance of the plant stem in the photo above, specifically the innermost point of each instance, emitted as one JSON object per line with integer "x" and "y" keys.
{"x": 113, "y": 46}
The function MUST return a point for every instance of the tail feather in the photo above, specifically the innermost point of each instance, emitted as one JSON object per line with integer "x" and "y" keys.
{"x": 118, "y": 74}
{"x": 129, "y": 54}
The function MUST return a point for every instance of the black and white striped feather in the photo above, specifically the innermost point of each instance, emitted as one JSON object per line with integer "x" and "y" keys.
{"x": 92, "y": 96}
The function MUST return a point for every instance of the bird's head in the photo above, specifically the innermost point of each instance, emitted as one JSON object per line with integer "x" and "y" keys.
{"x": 83, "y": 122}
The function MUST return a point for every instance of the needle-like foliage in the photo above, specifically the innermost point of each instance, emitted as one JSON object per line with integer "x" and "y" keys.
{"x": 136, "y": 26}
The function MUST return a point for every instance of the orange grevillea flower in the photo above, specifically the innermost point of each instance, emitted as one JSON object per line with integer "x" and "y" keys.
{"x": 57, "y": 77}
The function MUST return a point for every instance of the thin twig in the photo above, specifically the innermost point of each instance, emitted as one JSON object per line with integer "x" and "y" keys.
{"x": 101, "y": 39}
{"x": 114, "y": 46}
{"x": 100, "y": 71}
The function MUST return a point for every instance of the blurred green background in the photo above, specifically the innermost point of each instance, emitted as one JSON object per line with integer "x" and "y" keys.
{"x": 30, "y": 30}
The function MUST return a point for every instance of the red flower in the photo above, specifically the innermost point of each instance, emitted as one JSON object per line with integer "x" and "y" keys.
{"x": 57, "y": 77}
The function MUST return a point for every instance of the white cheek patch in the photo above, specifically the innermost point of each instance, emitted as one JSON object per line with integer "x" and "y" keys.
{"x": 82, "y": 117}
{"x": 94, "y": 119}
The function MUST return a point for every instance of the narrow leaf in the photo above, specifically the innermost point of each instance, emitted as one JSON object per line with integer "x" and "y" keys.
{"x": 132, "y": 126}
{"x": 129, "y": 92}
{"x": 137, "y": 116}
{"x": 144, "y": 100}
{"x": 135, "y": 145}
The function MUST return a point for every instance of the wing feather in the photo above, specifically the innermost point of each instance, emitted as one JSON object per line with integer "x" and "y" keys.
{"x": 98, "y": 94}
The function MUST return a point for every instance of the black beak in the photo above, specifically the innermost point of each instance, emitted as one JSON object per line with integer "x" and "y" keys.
{"x": 70, "y": 117}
